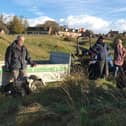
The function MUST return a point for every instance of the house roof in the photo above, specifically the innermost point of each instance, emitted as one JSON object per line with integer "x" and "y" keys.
{"x": 37, "y": 29}
{"x": 114, "y": 32}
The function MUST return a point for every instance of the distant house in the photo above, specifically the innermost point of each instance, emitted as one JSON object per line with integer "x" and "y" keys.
{"x": 111, "y": 34}
{"x": 37, "y": 30}
{"x": 69, "y": 34}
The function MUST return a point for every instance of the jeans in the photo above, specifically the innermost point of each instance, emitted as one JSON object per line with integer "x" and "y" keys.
{"x": 18, "y": 74}
{"x": 118, "y": 69}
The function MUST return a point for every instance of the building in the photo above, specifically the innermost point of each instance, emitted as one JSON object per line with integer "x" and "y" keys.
{"x": 37, "y": 30}
{"x": 111, "y": 34}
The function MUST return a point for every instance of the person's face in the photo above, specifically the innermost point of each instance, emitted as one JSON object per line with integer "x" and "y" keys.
{"x": 102, "y": 40}
{"x": 120, "y": 43}
{"x": 21, "y": 41}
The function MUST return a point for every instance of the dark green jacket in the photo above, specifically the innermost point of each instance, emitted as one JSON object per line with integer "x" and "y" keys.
{"x": 17, "y": 58}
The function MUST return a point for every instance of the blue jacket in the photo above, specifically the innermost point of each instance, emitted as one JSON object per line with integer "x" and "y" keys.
{"x": 101, "y": 50}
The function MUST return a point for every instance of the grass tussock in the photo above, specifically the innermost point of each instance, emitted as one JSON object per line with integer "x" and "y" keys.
{"x": 74, "y": 102}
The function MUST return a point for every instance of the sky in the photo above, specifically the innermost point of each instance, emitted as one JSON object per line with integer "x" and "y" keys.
{"x": 100, "y": 16}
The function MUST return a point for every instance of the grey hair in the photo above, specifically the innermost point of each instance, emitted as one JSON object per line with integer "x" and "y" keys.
{"x": 19, "y": 36}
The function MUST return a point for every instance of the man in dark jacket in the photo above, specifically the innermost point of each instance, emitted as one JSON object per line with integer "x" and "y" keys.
{"x": 17, "y": 57}
{"x": 101, "y": 50}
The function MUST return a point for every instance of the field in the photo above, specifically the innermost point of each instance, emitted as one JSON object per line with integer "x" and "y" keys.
{"x": 38, "y": 46}
{"x": 76, "y": 101}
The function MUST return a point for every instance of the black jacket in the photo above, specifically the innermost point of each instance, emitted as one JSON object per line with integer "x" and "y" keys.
{"x": 17, "y": 58}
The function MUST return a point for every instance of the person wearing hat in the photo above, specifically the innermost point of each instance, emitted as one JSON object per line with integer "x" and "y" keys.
{"x": 119, "y": 55}
{"x": 101, "y": 51}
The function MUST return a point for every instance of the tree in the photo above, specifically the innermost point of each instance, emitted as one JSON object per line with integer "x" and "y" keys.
{"x": 62, "y": 28}
{"x": 3, "y": 26}
{"x": 53, "y": 26}
{"x": 17, "y": 25}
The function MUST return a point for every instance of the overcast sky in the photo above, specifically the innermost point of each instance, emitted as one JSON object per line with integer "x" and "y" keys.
{"x": 97, "y": 15}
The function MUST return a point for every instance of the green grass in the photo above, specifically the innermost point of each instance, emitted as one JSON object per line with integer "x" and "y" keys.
{"x": 76, "y": 101}
{"x": 38, "y": 46}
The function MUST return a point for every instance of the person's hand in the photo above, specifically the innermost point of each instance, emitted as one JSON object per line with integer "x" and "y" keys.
{"x": 33, "y": 64}
{"x": 124, "y": 52}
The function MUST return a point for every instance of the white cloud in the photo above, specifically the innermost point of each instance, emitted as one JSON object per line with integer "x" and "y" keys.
{"x": 36, "y": 11}
{"x": 61, "y": 19}
{"x": 7, "y": 17}
{"x": 31, "y": 21}
{"x": 120, "y": 25}
{"x": 119, "y": 10}
{"x": 71, "y": 1}
{"x": 71, "y": 6}
{"x": 97, "y": 24}
{"x": 39, "y": 20}
{"x": 88, "y": 22}
{"x": 68, "y": 6}
{"x": 26, "y": 2}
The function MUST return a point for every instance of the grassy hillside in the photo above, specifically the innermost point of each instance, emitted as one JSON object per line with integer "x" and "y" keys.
{"x": 38, "y": 46}
{"x": 76, "y": 101}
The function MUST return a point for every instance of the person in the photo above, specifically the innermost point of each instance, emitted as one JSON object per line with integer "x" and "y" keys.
{"x": 101, "y": 51}
{"x": 16, "y": 59}
{"x": 119, "y": 55}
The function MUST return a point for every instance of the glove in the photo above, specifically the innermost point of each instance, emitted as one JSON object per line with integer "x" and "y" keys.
{"x": 33, "y": 64}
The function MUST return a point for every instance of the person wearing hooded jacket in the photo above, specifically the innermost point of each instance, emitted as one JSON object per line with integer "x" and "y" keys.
{"x": 101, "y": 51}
